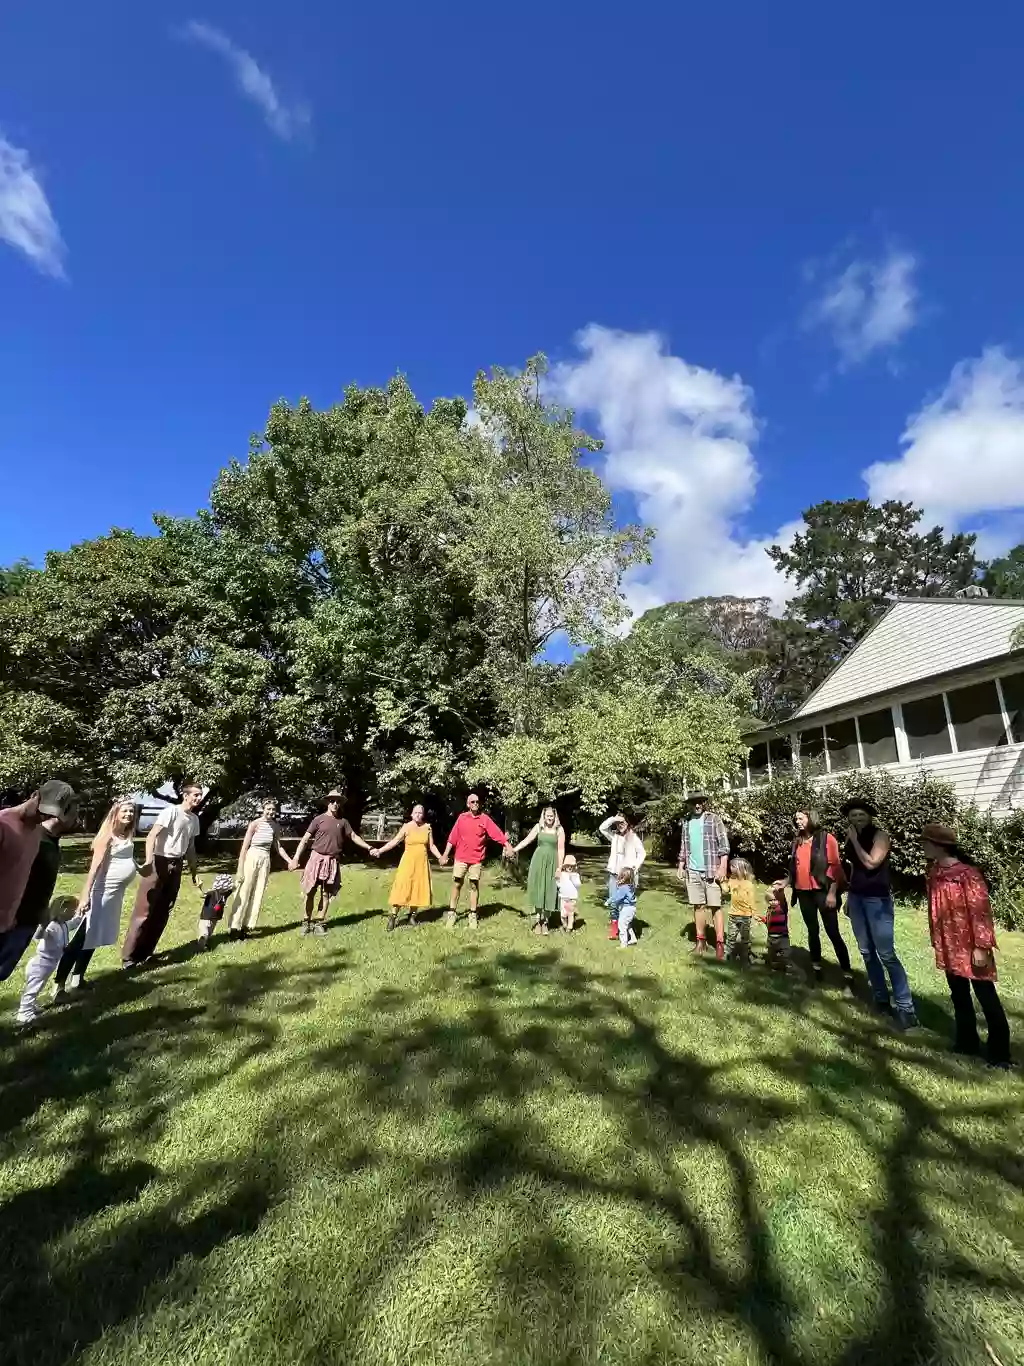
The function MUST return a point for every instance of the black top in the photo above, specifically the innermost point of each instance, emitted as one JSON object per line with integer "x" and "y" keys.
{"x": 42, "y": 879}
{"x": 867, "y": 881}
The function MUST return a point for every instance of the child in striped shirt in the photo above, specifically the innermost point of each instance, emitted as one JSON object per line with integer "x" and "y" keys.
{"x": 776, "y": 921}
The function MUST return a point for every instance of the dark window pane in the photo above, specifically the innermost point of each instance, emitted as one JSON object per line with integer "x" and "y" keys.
{"x": 977, "y": 717}
{"x": 842, "y": 745}
{"x": 758, "y": 765}
{"x": 812, "y": 752}
{"x": 925, "y": 724}
{"x": 1013, "y": 696}
{"x": 782, "y": 755}
{"x": 878, "y": 738}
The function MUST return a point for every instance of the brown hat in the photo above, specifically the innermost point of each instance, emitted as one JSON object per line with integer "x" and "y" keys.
{"x": 936, "y": 833}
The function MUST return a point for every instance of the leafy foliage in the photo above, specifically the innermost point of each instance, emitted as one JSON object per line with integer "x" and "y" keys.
{"x": 851, "y": 559}
{"x": 1004, "y": 577}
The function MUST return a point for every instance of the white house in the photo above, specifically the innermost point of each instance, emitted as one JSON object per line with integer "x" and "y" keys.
{"x": 936, "y": 685}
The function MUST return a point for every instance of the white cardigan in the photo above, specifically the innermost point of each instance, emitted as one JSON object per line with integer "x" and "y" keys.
{"x": 627, "y": 851}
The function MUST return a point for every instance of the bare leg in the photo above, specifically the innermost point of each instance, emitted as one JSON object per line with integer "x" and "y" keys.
{"x": 700, "y": 921}
{"x": 474, "y": 900}
{"x": 310, "y": 899}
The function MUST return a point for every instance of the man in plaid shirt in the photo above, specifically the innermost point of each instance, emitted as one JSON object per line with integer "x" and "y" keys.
{"x": 704, "y": 866}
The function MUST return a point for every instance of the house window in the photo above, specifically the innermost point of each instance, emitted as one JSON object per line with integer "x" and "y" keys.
{"x": 812, "y": 752}
{"x": 758, "y": 765}
{"x": 1013, "y": 695}
{"x": 977, "y": 716}
{"x": 878, "y": 738}
{"x": 927, "y": 728}
{"x": 781, "y": 750}
{"x": 843, "y": 752}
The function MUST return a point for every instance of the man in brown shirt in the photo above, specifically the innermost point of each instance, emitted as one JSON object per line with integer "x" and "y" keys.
{"x": 328, "y": 834}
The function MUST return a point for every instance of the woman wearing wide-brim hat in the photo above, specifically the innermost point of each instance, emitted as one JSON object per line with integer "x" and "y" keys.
{"x": 964, "y": 939}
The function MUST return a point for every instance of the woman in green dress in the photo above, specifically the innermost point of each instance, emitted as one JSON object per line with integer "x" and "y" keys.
{"x": 545, "y": 866}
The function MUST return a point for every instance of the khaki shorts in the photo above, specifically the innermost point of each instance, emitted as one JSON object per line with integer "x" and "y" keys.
{"x": 460, "y": 871}
{"x": 702, "y": 890}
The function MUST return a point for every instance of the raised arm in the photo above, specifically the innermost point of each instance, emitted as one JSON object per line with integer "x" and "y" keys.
{"x": 99, "y": 852}
{"x": 875, "y": 856}
{"x": 527, "y": 839}
{"x": 605, "y": 828}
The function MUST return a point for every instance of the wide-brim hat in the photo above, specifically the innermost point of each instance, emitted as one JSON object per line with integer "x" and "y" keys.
{"x": 334, "y": 796}
{"x": 694, "y": 797}
{"x": 937, "y": 833}
{"x": 858, "y": 804}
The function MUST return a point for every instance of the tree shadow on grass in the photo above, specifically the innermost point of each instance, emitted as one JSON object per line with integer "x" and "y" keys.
{"x": 463, "y": 1109}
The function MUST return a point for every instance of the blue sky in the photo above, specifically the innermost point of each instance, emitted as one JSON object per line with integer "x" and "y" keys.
{"x": 773, "y": 250}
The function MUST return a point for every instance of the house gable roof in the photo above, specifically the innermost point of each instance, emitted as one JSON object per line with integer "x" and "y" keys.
{"x": 916, "y": 639}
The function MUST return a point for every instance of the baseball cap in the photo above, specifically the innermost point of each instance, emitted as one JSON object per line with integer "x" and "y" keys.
{"x": 56, "y": 798}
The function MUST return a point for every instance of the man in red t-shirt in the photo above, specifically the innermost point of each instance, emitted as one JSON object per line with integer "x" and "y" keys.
{"x": 469, "y": 837}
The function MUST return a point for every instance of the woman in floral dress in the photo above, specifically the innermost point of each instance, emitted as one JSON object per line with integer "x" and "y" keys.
{"x": 963, "y": 936}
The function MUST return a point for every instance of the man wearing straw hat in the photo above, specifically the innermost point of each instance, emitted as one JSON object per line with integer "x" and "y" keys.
{"x": 322, "y": 873}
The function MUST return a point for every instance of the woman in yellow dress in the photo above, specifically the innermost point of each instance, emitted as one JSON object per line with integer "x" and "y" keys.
{"x": 411, "y": 887}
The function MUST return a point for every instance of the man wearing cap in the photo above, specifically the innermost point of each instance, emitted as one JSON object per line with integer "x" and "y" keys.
{"x": 42, "y": 879}
{"x": 704, "y": 866}
{"x": 328, "y": 833}
{"x": 21, "y": 831}
{"x": 869, "y": 906}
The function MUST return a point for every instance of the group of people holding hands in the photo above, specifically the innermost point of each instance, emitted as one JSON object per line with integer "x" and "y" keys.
{"x": 820, "y": 876}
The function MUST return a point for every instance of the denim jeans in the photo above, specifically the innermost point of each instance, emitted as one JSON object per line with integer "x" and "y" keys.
{"x": 872, "y": 921}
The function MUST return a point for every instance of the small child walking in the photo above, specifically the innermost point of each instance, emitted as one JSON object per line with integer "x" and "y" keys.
{"x": 52, "y": 939}
{"x": 623, "y": 906}
{"x": 776, "y": 922}
{"x": 214, "y": 903}
{"x": 742, "y": 893}
{"x": 568, "y": 893}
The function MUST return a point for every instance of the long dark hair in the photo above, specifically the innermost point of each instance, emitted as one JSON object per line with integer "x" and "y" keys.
{"x": 813, "y": 821}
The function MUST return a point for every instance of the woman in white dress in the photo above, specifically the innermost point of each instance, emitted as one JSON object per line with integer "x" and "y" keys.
{"x": 262, "y": 838}
{"x": 113, "y": 867}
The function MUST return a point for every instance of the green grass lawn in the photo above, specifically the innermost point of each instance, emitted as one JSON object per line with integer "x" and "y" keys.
{"x": 486, "y": 1147}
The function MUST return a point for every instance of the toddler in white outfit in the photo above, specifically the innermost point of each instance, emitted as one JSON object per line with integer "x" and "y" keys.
{"x": 51, "y": 939}
{"x": 568, "y": 892}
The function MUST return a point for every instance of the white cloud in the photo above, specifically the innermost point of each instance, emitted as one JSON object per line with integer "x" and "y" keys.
{"x": 869, "y": 306}
{"x": 26, "y": 220}
{"x": 678, "y": 438}
{"x": 285, "y": 120}
{"x": 964, "y": 451}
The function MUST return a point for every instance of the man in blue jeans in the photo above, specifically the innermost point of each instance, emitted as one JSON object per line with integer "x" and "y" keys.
{"x": 869, "y": 903}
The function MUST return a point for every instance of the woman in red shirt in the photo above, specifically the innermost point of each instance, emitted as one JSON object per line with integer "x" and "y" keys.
{"x": 964, "y": 939}
{"x": 815, "y": 876}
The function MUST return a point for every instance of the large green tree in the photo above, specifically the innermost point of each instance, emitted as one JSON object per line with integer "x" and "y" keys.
{"x": 1004, "y": 577}
{"x": 851, "y": 559}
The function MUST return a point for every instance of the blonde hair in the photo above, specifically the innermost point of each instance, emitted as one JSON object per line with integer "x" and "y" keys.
{"x": 741, "y": 869}
{"x": 569, "y": 861}
{"x": 61, "y": 908}
{"x": 554, "y": 811}
{"x": 106, "y": 830}
{"x": 625, "y": 878}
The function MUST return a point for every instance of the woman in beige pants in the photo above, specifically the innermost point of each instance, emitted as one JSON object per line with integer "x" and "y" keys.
{"x": 262, "y": 838}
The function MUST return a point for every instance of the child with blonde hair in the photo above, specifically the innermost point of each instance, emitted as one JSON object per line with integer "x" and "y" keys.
{"x": 568, "y": 892}
{"x": 52, "y": 939}
{"x": 742, "y": 893}
{"x": 623, "y": 906}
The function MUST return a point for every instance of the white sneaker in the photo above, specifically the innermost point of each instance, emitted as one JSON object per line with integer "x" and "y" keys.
{"x": 450, "y": 920}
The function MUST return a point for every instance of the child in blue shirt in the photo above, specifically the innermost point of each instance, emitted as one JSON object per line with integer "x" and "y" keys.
{"x": 623, "y": 905}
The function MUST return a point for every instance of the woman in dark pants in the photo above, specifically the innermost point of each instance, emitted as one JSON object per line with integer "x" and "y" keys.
{"x": 815, "y": 875}
{"x": 964, "y": 940}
